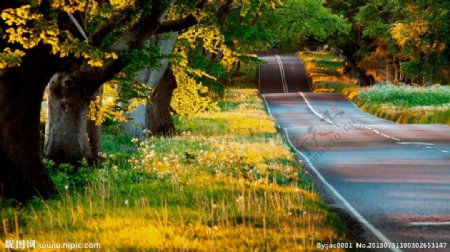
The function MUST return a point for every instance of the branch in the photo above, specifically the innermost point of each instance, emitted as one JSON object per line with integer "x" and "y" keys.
{"x": 178, "y": 25}
{"x": 182, "y": 23}
{"x": 134, "y": 38}
{"x": 223, "y": 11}
{"x": 101, "y": 33}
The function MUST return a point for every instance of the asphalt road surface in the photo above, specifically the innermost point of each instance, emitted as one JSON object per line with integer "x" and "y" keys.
{"x": 393, "y": 179}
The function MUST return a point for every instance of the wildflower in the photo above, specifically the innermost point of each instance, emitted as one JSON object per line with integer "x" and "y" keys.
{"x": 126, "y": 202}
{"x": 66, "y": 187}
{"x": 134, "y": 140}
{"x": 102, "y": 155}
{"x": 146, "y": 132}
{"x": 115, "y": 168}
{"x": 150, "y": 155}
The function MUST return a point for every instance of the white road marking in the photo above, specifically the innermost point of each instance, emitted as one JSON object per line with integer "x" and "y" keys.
{"x": 445, "y": 151}
{"x": 329, "y": 121}
{"x": 355, "y": 213}
{"x": 314, "y": 111}
{"x": 443, "y": 223}
{"x": 283, "y": 76}
{"x": 416, "y": 143}
{"x": 347, "y": 204}
{"x": 270, "y": 112}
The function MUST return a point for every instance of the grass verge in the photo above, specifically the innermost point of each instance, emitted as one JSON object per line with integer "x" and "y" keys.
{"x": 400, "y": 103}
{"x": 227, "y": 182}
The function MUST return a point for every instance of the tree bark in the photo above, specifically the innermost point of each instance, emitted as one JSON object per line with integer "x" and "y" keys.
{"x": 22, "y": 172}
{"x": 396, "y": 71}
{"x": 93, "y": 140}
{"x": 158, "y": 119}
{"x": 152, "y": 78}
{"x": 388, "y": 72}
{"x": 65, "y": 130}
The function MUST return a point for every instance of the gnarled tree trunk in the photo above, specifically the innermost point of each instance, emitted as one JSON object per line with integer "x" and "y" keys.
{"x": 158, "y": 117}
{"x": 22, "y": 173}
{"x": 65, "y": 130}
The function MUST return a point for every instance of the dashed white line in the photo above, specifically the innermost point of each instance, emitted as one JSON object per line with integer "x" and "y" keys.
{"x": 442, "y": 223}
{"x": 416, "y": 143}
{"x": 355, "y": 213}
{"x": 314, "y": 111}
{"x": 445, "y": 151}
{"x": 329, "y": 121}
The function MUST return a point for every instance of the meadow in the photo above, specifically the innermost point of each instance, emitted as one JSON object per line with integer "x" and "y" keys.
{"x": 401, "y": 102}
{"x": 226, "y": 182}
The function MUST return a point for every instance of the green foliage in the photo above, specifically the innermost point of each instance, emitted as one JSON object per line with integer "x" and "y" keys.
{"x": 198, "y": 60}
{"x": 69, "y": 176}
{"x": 302, "y": 20}
{"x": 386, "y": 33}
{"x": 405, "y": 96}
{"x": 148, "y": 58}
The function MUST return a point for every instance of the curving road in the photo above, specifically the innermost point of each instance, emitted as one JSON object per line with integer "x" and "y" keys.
{"x": 393, "y": 179}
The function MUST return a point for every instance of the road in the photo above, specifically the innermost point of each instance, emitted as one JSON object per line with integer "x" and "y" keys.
{"x": 393, "y": 179}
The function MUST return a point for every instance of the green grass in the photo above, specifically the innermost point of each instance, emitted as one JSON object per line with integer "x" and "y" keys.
{"x": 227, "y": 181}
{"x": 399, "y": 103}
{"x": 407, "y": 104}
{"x": 405, "y": 96}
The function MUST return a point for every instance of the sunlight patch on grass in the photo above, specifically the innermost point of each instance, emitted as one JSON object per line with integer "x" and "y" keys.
{"x": 226, "y": 182}
{"x": 326, "y": 73}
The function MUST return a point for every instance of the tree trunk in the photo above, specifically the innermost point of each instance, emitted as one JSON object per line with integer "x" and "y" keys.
{"x": 22, "y": 172}
{"x": 158, "y": 119}
{"x": 152, "y": 78}
{"x": 388, "y": 72}
{"x": 396, "y": 71}
{"x": 65, "y": 130}
{"x": 93, "y": 140}
{"x": 94, "y": 143}
{"x": 364, "y": 79}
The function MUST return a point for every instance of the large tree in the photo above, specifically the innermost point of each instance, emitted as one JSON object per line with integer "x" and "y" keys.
{"x": 68, "y": 104}
{"x": 44, "y": 38}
